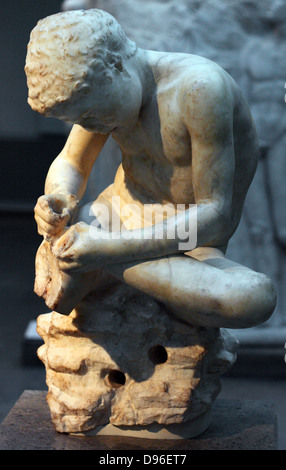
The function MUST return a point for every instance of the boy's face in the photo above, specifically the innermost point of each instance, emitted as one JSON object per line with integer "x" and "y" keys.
{"x": 94, "y": 111}
{"x": 103, "y": 106}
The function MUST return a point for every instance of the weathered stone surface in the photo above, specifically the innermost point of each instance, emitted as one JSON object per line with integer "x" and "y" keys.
{"x": 119, "y": 357}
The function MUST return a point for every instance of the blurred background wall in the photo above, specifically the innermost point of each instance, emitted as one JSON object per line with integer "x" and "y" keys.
{"x": 246, "y": 37}
{"x": 27, "y": 142}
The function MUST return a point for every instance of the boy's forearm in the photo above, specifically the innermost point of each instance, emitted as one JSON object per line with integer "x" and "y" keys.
{"x": 163, "y": 239}
{"x": 197, "y": 226}
{"x": 70, "y": 171}
{"x": 63, "y": 178}
{"x": 87, "y": 247}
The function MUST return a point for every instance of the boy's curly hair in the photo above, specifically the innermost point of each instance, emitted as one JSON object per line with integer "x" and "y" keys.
{"x": 67, "y": 49}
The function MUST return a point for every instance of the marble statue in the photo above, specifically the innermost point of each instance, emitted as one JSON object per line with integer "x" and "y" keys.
{"x": 141, "y": 290}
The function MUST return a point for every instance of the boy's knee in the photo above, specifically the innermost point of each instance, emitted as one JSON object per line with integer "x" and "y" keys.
{"x": 266, "y": 296}
{"x": 251, "y": 303}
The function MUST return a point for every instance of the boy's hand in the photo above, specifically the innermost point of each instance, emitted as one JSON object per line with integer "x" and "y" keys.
{"x": 53, "y": 212}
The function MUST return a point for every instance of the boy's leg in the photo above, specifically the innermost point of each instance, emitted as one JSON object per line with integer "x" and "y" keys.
{"x": 204, "y": 288}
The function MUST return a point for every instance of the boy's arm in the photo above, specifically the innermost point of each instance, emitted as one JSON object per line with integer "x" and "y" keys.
{"x": 208, "y": 119}
{"x": 66, "y": 181}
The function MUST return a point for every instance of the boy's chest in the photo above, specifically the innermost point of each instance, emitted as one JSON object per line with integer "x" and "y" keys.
{"x": 158, "y": 134}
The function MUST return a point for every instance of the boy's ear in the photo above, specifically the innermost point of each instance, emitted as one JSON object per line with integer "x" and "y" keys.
{"x": 115, "y": 60}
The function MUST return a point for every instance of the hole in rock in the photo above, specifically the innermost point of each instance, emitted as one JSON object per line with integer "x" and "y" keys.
{"x": 158, "y": 354}
{"x": 116, "y": 378}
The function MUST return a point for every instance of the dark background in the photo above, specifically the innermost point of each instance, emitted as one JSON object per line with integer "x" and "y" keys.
{"x": 28, "y": 145}
{"x": 27, "y": 142}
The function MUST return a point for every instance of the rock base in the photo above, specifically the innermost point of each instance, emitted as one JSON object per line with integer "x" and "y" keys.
{"x": 187, "y": 430}
{"x": 121, "y": 359}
